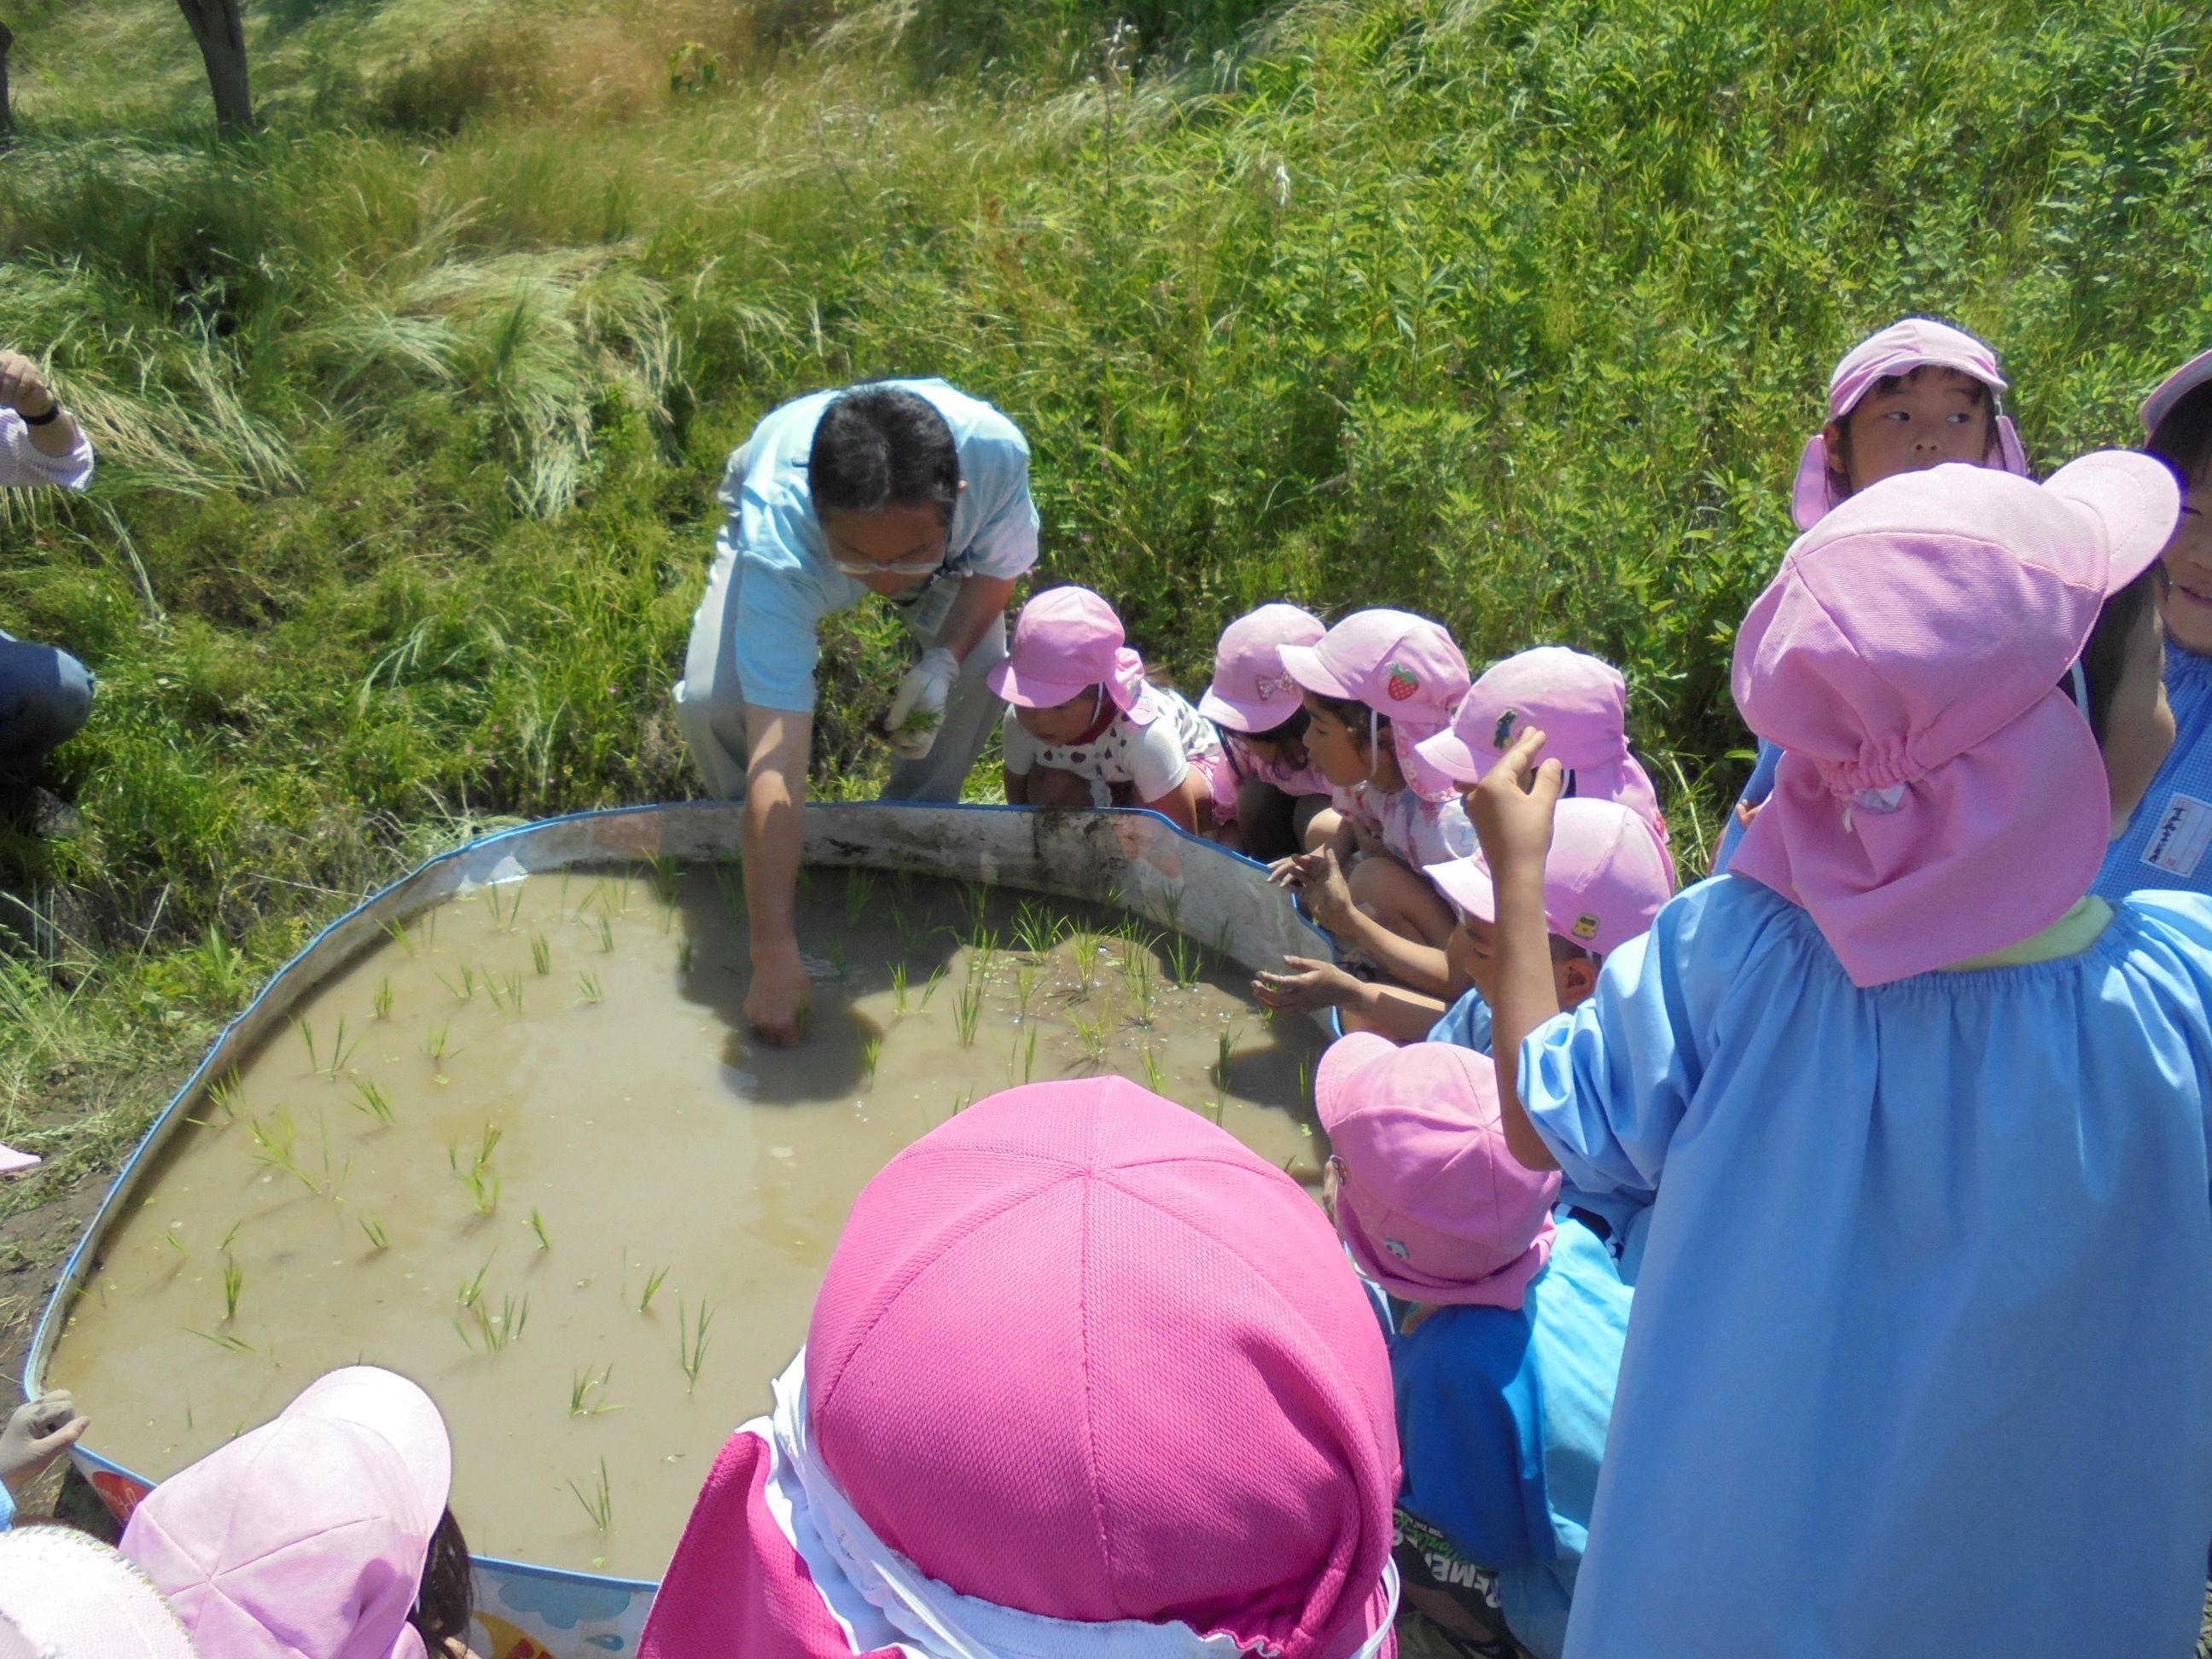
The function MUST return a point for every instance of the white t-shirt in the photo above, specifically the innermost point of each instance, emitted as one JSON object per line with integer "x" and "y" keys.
{"x": 1153, "y": 759}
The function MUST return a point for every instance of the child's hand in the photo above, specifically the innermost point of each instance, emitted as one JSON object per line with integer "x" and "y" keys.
{"x": 1294, "y": 871}
{"x": 35, "y": 1435}
{"x": 1318, "y": 878}
{"x": 1309, "y": 986}
{"x": 1512, "y": 809}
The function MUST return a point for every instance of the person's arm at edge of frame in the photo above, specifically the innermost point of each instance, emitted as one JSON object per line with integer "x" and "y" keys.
{"x": 24, "y": 389}
{"x": 1513, "y": 808}
{"x": 775, "y": 797}
{"x": 981, "y": 601}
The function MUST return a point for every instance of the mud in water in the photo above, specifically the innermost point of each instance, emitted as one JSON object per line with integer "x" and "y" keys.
{"x": 522, "y": 1151}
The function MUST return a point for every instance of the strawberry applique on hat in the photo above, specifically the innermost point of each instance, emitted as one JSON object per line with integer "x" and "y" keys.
{"x": 1402, "y": 683}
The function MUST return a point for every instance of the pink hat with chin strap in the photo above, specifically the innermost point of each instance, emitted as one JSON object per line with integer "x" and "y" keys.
{"x": 1251, "y": 690}
{"x": 1084, "y": 1366}
{"x": 1402, "y": 666}
{"x": 1432, "y": 1204}
{"x": 1066, "y": 641}
{"x": 1910, "y": 343}
{"x": 308, "y": 1534}
{"x": 1939, "y": 796}
{"x": 1606, "y": 876}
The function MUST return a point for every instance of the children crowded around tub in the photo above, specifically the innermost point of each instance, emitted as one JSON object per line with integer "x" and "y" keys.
{"x": 1813, "y": 1260}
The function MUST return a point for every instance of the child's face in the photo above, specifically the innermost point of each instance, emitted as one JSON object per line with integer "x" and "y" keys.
{"x": 1471, "y": 960}
{"x": 2139, "y": 730}
{"x": 1289, "y": 751}
{"x": 2188, "y": 602}
{"x": 1063, "y": 722}
{"x": 1930, "y": 416}
{"x": 1340, "y": 752}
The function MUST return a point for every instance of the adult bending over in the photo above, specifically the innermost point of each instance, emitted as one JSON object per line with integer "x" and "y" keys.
{"x": 45, "y": 692}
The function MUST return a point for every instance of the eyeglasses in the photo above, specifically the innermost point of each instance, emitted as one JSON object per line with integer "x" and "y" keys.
{"x": 920, "y": 566}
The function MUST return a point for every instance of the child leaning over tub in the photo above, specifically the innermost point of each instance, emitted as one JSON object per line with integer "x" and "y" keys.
{"x": 321, "y": 1534}
{"x": 1507, "y": 1334}
{"x": 1086, "y": 729}
{"x": 1086, "y": 1377}
{"x": 1374, "y": 685}
{"x": 2165, "y": 843}
{"x": 1275, "y": 791}
{"x": 1918, "y": 394}
{"x": 1921, "y": 1338}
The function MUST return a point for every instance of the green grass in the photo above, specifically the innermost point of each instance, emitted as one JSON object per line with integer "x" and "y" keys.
{"x": 410, "y": 411}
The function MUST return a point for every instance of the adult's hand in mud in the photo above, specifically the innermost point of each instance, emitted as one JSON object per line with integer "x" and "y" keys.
{"x": 36, "y": 1434}
{"x": 1308, "y": 986}
{"x": 777, "y": 1005}
{"x": 1512, "y": 808}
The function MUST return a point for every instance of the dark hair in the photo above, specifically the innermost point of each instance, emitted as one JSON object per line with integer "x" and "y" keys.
{"x": 1353, "y": 712}
{"x": 446, "y": 1600}
{"x": 1566, "y": 950}
{"x": 2184, "y": 438}
{"x": 1841, "y": 460}
{"x": 877, "y": 446}
{"x": 1292, "y": 730}
{"x": 2105, "y": 658}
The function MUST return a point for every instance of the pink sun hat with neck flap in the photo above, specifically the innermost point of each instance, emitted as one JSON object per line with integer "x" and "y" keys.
{"x": 1605, "y": 877}
{"x": 1910, "y": 343}
{"x": 2173, "y": 388}
{"x": 308, "y": 1534}
{"x": 1939, "y": 796}
{"x": 1251, "y": 690}
{"x": 64, "y": 1593}
{"x": 1431, "y": 1203}
{"x": 1400, "y": 666}
{"x": 1086, "y": 1378}
{"x": 1580, "y": 702}
{"x": 1066, "y": 641}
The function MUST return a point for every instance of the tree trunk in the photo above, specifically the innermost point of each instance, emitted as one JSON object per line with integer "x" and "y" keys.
{"x": 7, "y": 108}
{"x": 221, "y": 33}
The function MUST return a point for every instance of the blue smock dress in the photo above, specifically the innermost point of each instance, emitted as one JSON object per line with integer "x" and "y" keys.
{"x": 1921, "y": 1358}
{"x": 2167, "y": 842}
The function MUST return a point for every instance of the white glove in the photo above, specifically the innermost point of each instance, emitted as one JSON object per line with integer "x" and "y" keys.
{"x": 35, "y": 1435}
{"x": 918, "y": 710}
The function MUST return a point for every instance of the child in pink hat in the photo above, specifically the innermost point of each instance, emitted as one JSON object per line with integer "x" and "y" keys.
{"x": 1086, "y": 1378}
{"x": 1507, "y": 1334}
{"x": 1086, "y": 729}
{"x": 323, "y": 1534}
{"x": 1374, "y": 685}
{"x": 1917, "y": 394}
{"x": 1275, "y": 791}
{"x": 1925, "y": 1312}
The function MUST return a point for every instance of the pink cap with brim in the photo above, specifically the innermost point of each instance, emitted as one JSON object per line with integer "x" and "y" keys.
{"x": 2173, "y": 388}
{"x": 1605, "y": 878}
{"x": 1251, "y": 691}
{"x": 1431, "y": 1201}
{"x": 1081, "y": 1354}
{"x": 64, "y": 1593}
{"x": 1912, "y": 343}
{"x": 308, "y": 1534}
{"x": 1400, "y": 666}
{"x": 1939, "y": 796}
{"x": 1066, "y": 641}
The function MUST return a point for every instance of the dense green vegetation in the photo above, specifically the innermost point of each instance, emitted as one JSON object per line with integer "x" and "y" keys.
{"x": 411, "y": 408}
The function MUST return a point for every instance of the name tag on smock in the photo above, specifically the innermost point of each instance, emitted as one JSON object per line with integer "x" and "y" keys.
{"x": 2178, "y": 841}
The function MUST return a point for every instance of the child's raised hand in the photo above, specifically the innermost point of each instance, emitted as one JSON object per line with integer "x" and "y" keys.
{"x": 1512, "y": 808}
{"x": 1308, "y": 986}
{"x": 36, "y": 1434}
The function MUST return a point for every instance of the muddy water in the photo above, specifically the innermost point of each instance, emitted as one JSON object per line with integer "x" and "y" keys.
{"x": 584, "y": 1153}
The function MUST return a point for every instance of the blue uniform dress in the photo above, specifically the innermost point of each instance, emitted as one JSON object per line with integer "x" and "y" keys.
{"x": 2167, "y": 842}
{"x": 1502, "y": 1416}
{"x": 1921, "y": 1361}
{"x": 1759, "y": 786}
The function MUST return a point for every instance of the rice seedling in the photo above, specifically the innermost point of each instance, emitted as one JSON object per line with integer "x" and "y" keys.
{"x": 598, "y": 1503}
{"x": 1142, "y": 983}
{"x": 340, "y": 1050}
{"x": 481, "y": 1181}
{"x": 226, "y": 1094}
{"x": 184, "y": 1253}
{"x": 1185, "y": 961}
{"x": 223, "y": 1340}
{"x": 1089, "y": 945}
{"x": 541, "y": 954}
{"x": 370, "y": 1100}
{"x": 588, "y": 985}
{"x": 666, "y": 876}
{"x": 1092, "y": 1034}
{"x": 306, "y": 1031}
{"x": 1305, "y": 1081}
{"x": 974, "y": 904}
{"x": 436, "y": 1042}
{"x": 834, "y": 951}
{"x": 1037, "y": 930}
{"x": 1156, "y": 1078}
{"x": 233, "y": 1281}
{"x": 278, "y": 1141}
{"x": 967, "y": 1098}
{"x": 1224, "y": 1049}
{"x": 653, "y": 1283}
{"x": 498, "y": 1329}
{"x": 729, "y": 885}
{"x": 929, "y": 990}
{"x": 983, "y": 949}
{"x": 898, "y": 989}
{"x": 686, "y": 951}
{"x": 380, "y": 1003}
{"x": 466, "y": 989}
{"x": 503, "y": 910}
{"x": 968, "y": 1011}
{"x": 585, "y": 1386}
{"x": 606, "y": 937}
{"x": 1025, "y": 984}
{"x": 1025, "y": 1053}
{"x": 691, "y": 1342}
{"x": 472, "y": 1290}
{"x": 506, "y": 991}
{"x": 537, "y": 1226}
{"x": 872, "y": 1050}
{"x": 231, "y": 1238}
{"x": 378, "y": 1238}
{"x": 397, "y": 933}
{"x": 860, "y": 893}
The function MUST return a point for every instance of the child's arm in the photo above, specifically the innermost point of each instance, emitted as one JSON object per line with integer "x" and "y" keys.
{"x": 1017, "y": 787}
{"x": 1179, "y": 806}
{"x": 1161, "y": 776}
{"x": 1402, "y": 1015}
{"x": 1512, "y": 809}
{"x": 1320, "y": 878}
{"x": 1020, "y": 750}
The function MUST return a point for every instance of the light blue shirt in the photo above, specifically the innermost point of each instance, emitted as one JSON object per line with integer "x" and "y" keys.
{"x": 2169, "y": 842}
{"x": 1921, "y": 1359}
{"x": 1756, "y": 789}
{"x": 785, "y": 581}
{"x": 1502, "y": 1416}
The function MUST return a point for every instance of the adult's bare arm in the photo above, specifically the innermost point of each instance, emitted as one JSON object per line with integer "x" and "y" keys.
{"x": 775, "y": 795}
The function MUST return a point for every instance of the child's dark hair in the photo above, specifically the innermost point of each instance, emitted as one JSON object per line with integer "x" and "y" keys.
{"x": 2184, "y": 438}
{"x": 2104, "y": 659}
{"x": 446, "y": 1600}
{"x": 879, "y": 446}
{"x": 1292, "y": 730}
{"x": 1354, "y": 713}
{"x": 1983, "y": 399}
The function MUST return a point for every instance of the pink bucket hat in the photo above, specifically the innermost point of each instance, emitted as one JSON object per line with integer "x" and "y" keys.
{"x": 64, "y": 1593}
{"x": 1250, "y": 691}
{"x": 1605, "y": 878}
{"x": 307, "y": 1535}
{"x": 1433, "y": 1206}
{"x": 1082, "y": 1365}
{"x": 1579, "y": 702}
{"x": 1066, "y": 641}
{"x": 1912, "y": 343}
{"x": 2173, "y": 388}
{"x": 1400, "y": 666}
{"x": 1938, "y": 797}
